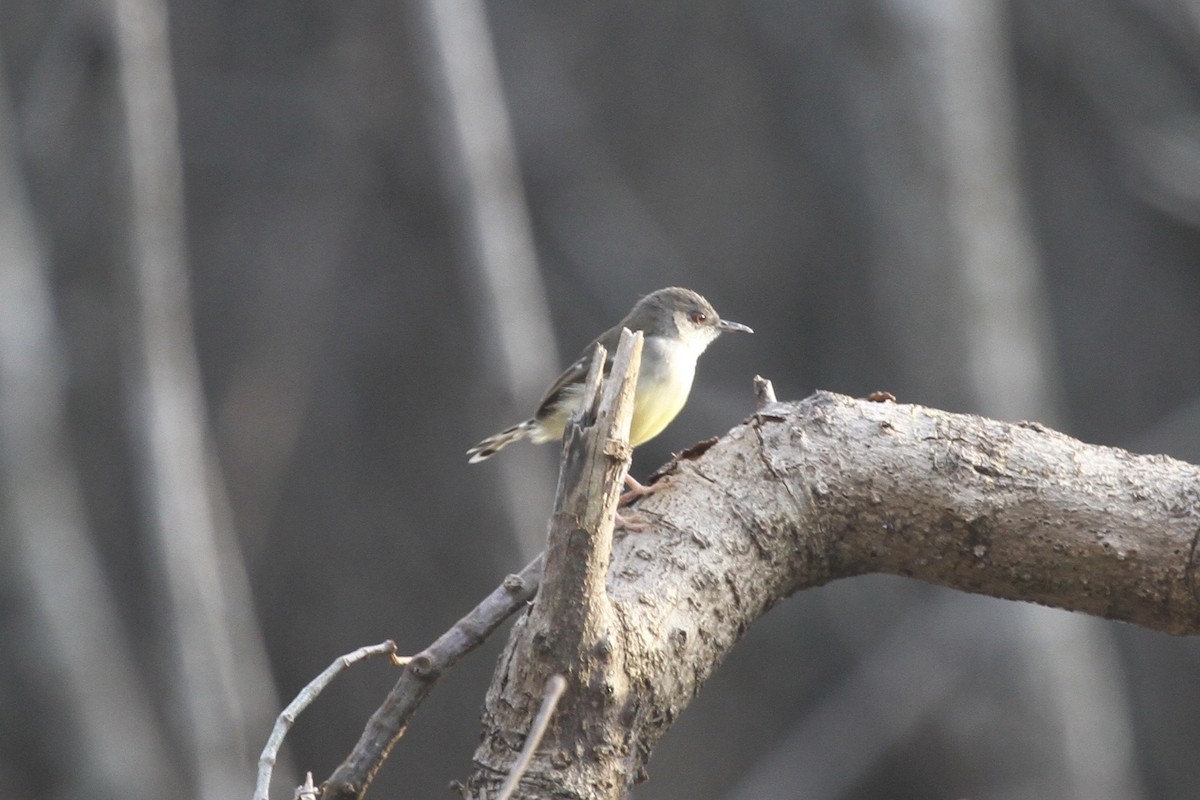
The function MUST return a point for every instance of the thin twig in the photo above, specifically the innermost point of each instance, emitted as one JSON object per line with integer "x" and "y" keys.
{"x": 306, "y": 790}
{"x": 352, "y": 778}
{"x": 554, "y": 692}
{"x": 283, "y": 723}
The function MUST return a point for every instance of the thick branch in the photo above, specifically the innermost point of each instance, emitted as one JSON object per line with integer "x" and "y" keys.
{"x": 1012, "y": 510}
{"x": 831, "y": 487}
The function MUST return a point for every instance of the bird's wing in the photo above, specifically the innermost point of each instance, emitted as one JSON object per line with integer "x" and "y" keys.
{"x": 577, "y": 372}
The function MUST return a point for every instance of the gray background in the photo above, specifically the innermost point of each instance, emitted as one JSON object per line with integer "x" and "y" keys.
{"x": 986, "y": 207}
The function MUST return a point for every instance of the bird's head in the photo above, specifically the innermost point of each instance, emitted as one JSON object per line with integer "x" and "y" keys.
{"x": 680, "y": 313}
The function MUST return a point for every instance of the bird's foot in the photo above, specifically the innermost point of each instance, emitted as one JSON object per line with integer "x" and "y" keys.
{"x": 633, "y": 523}
{"x": 637, "y": 490}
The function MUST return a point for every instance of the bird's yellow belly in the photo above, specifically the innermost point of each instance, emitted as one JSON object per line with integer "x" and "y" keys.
{"x": 655, "y": 404}
{"x": 662, "y": 390}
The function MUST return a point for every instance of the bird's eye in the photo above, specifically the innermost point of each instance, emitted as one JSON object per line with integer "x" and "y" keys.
{"x": 699, "y": 317}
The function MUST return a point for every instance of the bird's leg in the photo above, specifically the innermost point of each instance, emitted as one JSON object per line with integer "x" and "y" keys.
{"x": 634, "y": 523}
{"x": 637, "y": 490}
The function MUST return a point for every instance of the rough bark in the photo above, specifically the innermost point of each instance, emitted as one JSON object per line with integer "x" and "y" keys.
{"x": 831, "y": 487}
{"x": 572, "y": 625}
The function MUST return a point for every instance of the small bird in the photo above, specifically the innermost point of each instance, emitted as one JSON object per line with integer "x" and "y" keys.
{"x": 677, "y": 326}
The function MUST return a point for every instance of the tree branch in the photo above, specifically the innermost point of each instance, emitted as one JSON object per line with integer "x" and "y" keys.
{"x": 800, "y": 495}
{"x": 572, "y": 628}
{"x": 352, "y": 778}
{"x": 608, "y": 416}
{"x": 831, "y": 487}
{"x": 287, "y": 717}
{"x": 596, "y": 456}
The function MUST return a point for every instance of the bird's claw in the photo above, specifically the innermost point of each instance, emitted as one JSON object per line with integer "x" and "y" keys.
{"x": 637, "y": 490}
{"x": 633, "y": 523}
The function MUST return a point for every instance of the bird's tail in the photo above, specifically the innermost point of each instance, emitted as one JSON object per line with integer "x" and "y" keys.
{"x": 494, "y": 443}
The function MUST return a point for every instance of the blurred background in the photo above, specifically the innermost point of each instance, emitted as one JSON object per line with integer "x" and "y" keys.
{"x": 268, "y": 269}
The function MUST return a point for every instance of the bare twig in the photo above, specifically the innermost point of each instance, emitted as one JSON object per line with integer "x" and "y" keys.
{"x": 387, "y": 724}
{"x": 554, "y": 691}
{"x": 306, "y": 790}
{"x": 764, "y": 392}
{"x": 266, "y": 762}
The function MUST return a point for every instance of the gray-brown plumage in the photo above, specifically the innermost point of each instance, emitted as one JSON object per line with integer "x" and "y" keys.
{"x": 677, "y": 325}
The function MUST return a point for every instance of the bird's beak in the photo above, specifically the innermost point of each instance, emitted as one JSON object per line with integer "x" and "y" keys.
{"x": 726, "y": 325}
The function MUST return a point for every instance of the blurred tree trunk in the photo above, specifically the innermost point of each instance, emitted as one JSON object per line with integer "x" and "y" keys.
{"x": 220, "y": 685}
{"x": 72, "y": 676}
{"x": 493, "y": 235}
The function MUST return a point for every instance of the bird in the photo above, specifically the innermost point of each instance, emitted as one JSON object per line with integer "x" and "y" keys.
{"x": 677, "y": 326}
